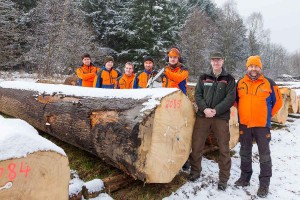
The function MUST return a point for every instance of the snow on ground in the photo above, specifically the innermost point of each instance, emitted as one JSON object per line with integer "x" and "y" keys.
{"x": 75, "y": 186}
{"x": 153, "y": 95}
{"x": 18, "y": 139}
{"x": 285, "y": 152}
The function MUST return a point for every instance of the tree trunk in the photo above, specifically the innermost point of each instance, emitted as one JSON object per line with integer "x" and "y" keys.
{"x": 151, "y": 145}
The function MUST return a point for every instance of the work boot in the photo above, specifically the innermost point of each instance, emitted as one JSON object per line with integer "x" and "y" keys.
{"x": 186, "y": 166}
{"x": 242, "y": 183}
{"x": 193, "y": 177}
{"x": 222, "y": 185}
{"x": 263, "y": 191}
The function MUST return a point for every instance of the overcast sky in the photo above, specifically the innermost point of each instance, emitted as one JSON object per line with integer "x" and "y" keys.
{"x": 282, "y": 17}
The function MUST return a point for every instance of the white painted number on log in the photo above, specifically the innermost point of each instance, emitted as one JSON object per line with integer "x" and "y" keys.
{"x": 173, "y": 104}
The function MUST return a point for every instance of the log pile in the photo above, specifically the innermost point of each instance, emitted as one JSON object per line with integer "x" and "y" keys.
{"x": 290, "y": 104}
{"x": 150, "y": 144}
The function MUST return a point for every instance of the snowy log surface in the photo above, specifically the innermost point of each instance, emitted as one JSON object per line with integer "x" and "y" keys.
{"x": 30, "y": 165}
{"x": 146, "y": 132}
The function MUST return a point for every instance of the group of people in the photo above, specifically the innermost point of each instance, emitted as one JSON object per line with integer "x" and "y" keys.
{"x": 216, "y": 92}
{"x": 175, "y": 73}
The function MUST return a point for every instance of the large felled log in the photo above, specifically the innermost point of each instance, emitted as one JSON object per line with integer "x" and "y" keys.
{"x": 146, "y": 133}
{"x": 31, "y": 167}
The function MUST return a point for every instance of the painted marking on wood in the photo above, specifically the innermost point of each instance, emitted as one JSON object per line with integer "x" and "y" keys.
{"x": 173, "y": 104}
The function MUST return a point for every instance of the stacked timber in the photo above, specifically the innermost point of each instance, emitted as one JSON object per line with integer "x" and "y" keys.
{"x": 290, "y": 104}
{"x": 146, "y": 133}
{"x": 31, "y": 167}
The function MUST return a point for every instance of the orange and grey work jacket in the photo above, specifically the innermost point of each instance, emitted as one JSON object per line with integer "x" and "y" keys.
{"x": 176, "y": 77}
{"x": 125, "y": 82}
{"x": 105, "y": 78}
{"x": 86, "y": 74}
{"x": 142, "y": 78}
{"x": 257, "y": 100}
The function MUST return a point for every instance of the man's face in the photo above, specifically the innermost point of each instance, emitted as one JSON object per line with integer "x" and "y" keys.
{"x": 109, "y": 65}
{"x": 216, "y": 63}
{"x": 86, "y": 61}
{"x": 128, "y": 70}
{"x": 148, "y": 65}
{"x": 253, "y": 70}
{"x": 173, "y": 60}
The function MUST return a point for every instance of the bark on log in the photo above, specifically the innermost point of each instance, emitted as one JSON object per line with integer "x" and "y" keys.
{"x": 151, "y": 146}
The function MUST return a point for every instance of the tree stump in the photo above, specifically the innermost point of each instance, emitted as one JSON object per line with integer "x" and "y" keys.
{"x": 146, "y": 133}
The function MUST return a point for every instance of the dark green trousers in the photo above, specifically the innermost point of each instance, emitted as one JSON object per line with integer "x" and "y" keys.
{"x": 220, "y": 128}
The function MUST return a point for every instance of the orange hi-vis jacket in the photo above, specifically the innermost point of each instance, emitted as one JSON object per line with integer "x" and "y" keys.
{"x": 125, "y": 82}
{"x": 176, "y": 78}
{"x": 105, "y": 78}
{"x": 142, "y": 78}
{"x": 257, "y": 101}
{"x": 87, "y": 75}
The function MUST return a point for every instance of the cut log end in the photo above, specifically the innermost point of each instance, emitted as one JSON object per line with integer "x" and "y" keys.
{"x": 40, "y": 175}
{"x": 173, "y": 123}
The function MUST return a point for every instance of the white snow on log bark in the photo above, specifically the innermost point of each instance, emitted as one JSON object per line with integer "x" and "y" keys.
{"x": 153, "y": 95}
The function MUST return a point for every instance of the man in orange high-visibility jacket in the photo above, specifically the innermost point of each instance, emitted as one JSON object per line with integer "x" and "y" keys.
{"x": 258, "y": 99}
{"x": 142, "y": 77}
{"x": 106, "y": 76}
{"x": 176, "y": 74}
{"x": 126, "y": 80}
{"x": 87, "y": 72}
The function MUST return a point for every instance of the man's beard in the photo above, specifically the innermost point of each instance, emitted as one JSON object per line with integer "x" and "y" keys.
{"x": 253, "y": 77}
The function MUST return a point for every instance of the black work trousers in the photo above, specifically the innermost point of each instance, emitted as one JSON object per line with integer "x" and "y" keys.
{"x": 262, "y": 136}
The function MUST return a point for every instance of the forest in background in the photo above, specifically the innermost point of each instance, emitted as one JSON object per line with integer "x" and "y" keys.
{"x": 49, "y": 36}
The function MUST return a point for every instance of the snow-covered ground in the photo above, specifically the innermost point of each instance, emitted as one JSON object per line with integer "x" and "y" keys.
{"x": 285, "y": 183}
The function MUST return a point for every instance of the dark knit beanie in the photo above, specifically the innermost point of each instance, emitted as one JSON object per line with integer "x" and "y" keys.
{"x": 148, "y": 58}
{"x": 108, "y": 58}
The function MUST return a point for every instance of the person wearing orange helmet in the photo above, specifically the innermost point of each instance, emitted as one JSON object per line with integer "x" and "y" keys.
{"x": 176, "y": 74}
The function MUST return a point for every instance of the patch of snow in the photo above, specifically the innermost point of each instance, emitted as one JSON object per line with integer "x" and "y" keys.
{"x": 102, "y": 196}
{"x": 95, "y": 185}
{"x": 18, "y": 139}
{"x": 75, "y": 184}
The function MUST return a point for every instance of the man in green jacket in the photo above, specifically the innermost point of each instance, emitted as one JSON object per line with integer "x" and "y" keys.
{"x": 214, "y": 95}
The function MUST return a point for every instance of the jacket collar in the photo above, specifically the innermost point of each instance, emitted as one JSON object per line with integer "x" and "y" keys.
{"x": 260, "y": 78}
{"x": 223, "y": 73}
